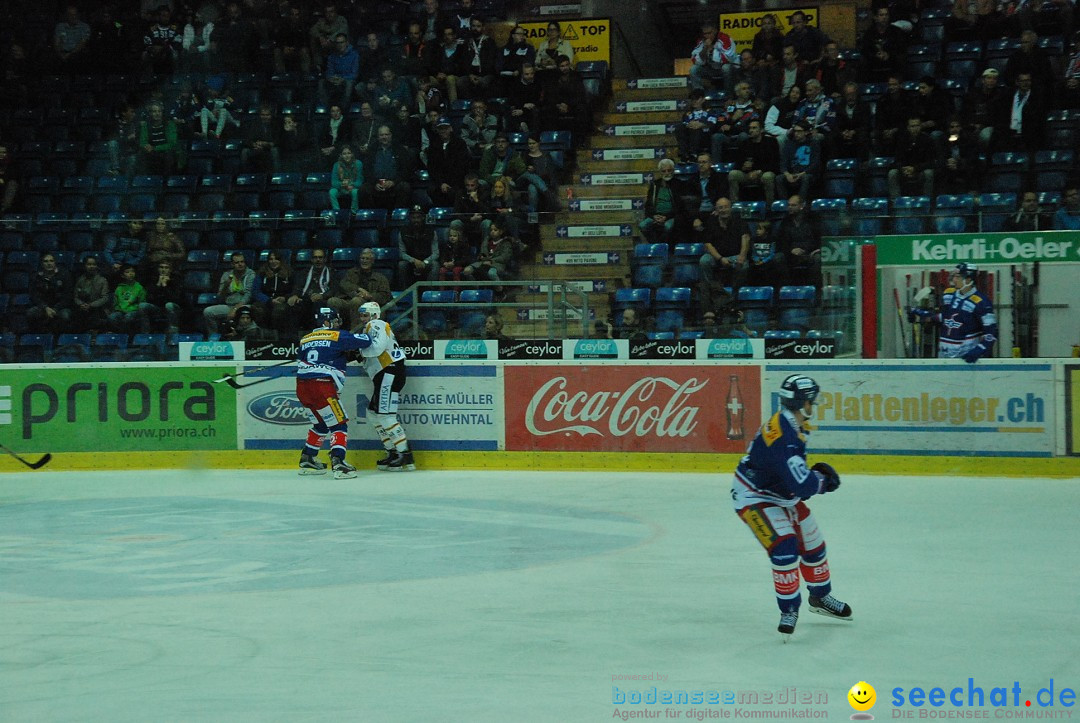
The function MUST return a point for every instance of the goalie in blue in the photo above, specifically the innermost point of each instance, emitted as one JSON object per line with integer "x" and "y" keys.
{"x": 769, "y": 491}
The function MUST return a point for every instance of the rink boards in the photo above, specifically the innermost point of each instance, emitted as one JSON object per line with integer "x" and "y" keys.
{"x": 1004, "y": 416}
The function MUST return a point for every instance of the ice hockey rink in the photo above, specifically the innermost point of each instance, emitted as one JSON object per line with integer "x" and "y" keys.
{"x": 517, "y": 596}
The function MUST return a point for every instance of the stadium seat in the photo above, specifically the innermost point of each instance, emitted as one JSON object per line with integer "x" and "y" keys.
{"x": 686, "y": 266}
{"x": 470, "y": 322}
{"x": 878, "y": 169}
{"x": 672, "y": 305}
{"x": 922, "y": 59}
{"x": 868, "y": 215}
{"x": 631, "y": 298}
{"x": 756, "y": 304}
{"x": 110, "y": 347}
{"x": 832, "y": 212}
{"x": 994, "y": 208}
{"x": 910, "y": 214}
{"x": 953, "y": 213}
{"x": 782, "y": 333}
{"x": 147, "y": 347}
{"x": 1052, "y": 169}
{"x": 33, "y": 348}
{"x": 962, "y": 60}
{"x": 433, "y": 319}
{"x": 342, "y": 259}
{"x": 1006, "y": 173}
{"x": 840, "y": 176}
{"x": 71, "y": 348}
{"x": 648, "y": 264}
{"x": 796, "y": 305}
{"x": 660, "y": 336}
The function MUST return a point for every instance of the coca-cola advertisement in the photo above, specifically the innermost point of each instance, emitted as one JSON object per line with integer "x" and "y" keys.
{"x": 632, "y": 408}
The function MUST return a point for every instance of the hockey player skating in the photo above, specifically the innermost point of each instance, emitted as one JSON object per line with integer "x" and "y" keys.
{"x": 770, "y": 486}
{"x": 968, "y": 327}
{"x": 384, "y": 361}
{"x": 320, "y": 376}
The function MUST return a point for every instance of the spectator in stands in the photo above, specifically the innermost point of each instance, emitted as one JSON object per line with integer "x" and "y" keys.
{"x": 852, "y": 136}
{"x": 793, "y": 72}
{"x": 883, "y": 48}
{"x": 418, "y": 249}
{"x": 514, "y": 56}
{"x": 933, "y": 106}
{"x": 14, "y": 90}
{"x": 808, "y": 41}
{"x": 109, "y": 49}
{"x": 981, "y": 104}
{"x": 504, "y": 205}
{"x": 9, "y": 187}
{"x": 798, "y": 238}
{"x": 346, "y": 177}
{"x": 50, "y": 297}
{"x": 768, "y": 44}
{"x": 472, "y": 206}
{"x": 294, "y": 148}
{"x": 270, "y": 296}
{"x": 332, "y": 134}
{"x": 261, "y": 152}
{"x": 1021, "y": 117}
{"x": 959, "y": 172}
{"x": 800, "y": 162}
{"x": 124, "y": 142}
{"x": 630, "y": 326}
{"x": 158, "y": 142}
{"x": 539, "y": 179}
{"x": 524, "y": 97}
{"x": 164, "y": 299}
{"x": 500, "y": 160}
{"x": 1055, "y": 17}
{"x": 162, "y": 44}
{"x": 215, "y": 116}
{"x": 498, "y": 254}
{"x": 566, "y": 104}
{"x": 324, "y": 31}
{"x": 448, "y": 63}
{"x": 818, "y": 111}
{"x": 890, "y": 116}
{"x": 1067, "y": 218}
{"x": 373, "y": 58}
{"x": 781, "y": 116}
{"x": 714, "y": 59}
{"x": 757, "y": 161}
{"x": 234, "y": 290}
{"x": 244, "y": 327}
{"x": 291, "y": 52}
{"x": 493, "y": 328}
{"x": 462, "y": 17}
{"x": 913, "y": 174}
{"x": 127, "y": 248}
{"x": 414, "y": 52}
{"x": 663, "y": 205}
{"x": 831, "y": 71}
{"x": 698, "y": 191}
{"x": 390, "y": 93}
{"x": 364, "y": 128}
{"x": 164, "y": 245}
{"x": 388, "y": 168}
{"x": 430, "y": 21}
{"x": 234, "y": 40}
{"x": 766, "y": 266}
{"x": 342, "y": 69}
{"x": 356, "y": 287}
{"x": 1028, "y": 217}
{"x": 454, "y": 254}
{"x": 732, "y": 122}
{"x": 478, "y": 130}
{"x": 553, "y": 46}
{"x": 694, "y": 132}
{"x": 481, "y": 62}
{"x": 764, "y": 80}
{"x": 408, "y": 129}
{"x": 1069, "y": 87}
{"x": 1031, "y": 59}
{"x": 129, "y": 304}
{"x": 448, "y": 162}
{"x": 70, "y": 39}
{"x": 185, "y": 111}
{"x": 91, "y": 299}
{"x": 727, "y": 250}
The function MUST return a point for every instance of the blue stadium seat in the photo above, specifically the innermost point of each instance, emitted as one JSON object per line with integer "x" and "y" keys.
{"x": 648, "y": 264}
{"x": 953, "y": 213}
{"x": 994, "y": 208}
{"x": 962, "y": 60}
{"x": 1006, "y": 173}
{"x": 147, "y": 347}
{"x": 1052, "y": 169}
{"x": 878, "y": 169}
{"x": 71, "y": 348}
{"x": 343, "y": 259}
{"x": 910, "y": 214}
{"x": 832, "y": 212}
{"x": 782, "y": 333}
{"x": 433, "y": 319}
{"x": 685, "y": 266}
{"x": 750, "y": 210}
{"x": 631, "y": 298}
{"x": 660, "y": 336}
{"x": 470, "y": 322}
{"x": 110, "y": 347}
{"x": 797, "y": 306}
{"x": 756, "y": 304}
{"x": 33, "y": 348}
{"x": 672, "y": 305}
{"x": 840, "y": 177}
{"x": 868, "y": 215}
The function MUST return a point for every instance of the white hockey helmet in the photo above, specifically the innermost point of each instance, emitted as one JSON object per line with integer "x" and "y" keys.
{"x": 372, "y": 309}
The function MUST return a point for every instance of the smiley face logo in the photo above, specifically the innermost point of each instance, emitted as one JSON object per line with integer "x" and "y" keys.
{"x": 862, "y": 696}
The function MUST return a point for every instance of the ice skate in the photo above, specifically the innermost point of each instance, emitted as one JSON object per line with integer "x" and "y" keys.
{"x": 407, "y": 461}
{"x": 310, "y": 465}
{"x": 787, "y": 624}
{"x": 830, "y": 607}
{"x": 343, "y": 470}
{"x": 384, "y": 463}
{"x": 402, "y": 462}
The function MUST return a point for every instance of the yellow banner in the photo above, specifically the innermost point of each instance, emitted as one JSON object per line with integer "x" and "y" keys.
{"x": 1072, "y": 408}
{"x": 590, "y": 38}
{"x": 742, "y": 27}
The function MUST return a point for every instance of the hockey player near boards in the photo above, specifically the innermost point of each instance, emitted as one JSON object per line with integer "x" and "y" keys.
{"x": 320, "y": 377}
{"x": 968, "y": 327}
{"x": 384, "y": 362}
{"x": 769, "y": 491}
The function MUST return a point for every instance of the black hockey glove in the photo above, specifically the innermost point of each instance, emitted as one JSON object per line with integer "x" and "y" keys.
{"x": 828, "y": 479}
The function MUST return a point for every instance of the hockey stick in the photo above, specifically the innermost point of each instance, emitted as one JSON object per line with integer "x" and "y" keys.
{"x": 1034, "y": 322}
{"x": 32, "y": 465}
{"x": 230, "y": 379}
{"x": 900, "y": 321}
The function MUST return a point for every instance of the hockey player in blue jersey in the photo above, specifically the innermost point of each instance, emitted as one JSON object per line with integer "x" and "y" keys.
{"x": 968, "y": 327}
{"x": 770, "y": 487}
{"x": 320, "y": 376}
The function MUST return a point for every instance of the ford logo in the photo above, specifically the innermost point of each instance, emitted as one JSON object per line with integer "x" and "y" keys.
{"x": 279, "y": 408}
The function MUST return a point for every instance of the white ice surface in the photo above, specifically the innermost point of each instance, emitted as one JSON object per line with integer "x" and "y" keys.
{"x": 507, "y": 596}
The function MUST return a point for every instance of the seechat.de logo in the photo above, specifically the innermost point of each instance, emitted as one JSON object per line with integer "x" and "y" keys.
{"x": 278, "y": 408}
{"x": 728, "y": 348}
{"x": 596, "y": 349}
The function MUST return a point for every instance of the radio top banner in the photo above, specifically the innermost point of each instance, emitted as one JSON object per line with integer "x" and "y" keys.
{"x": 589, "y": 37}
{"x": 742, "y": 27}
{"x": 608, "y": 349}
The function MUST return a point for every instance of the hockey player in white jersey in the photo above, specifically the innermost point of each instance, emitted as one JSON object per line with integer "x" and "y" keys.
{"x": 384, "y": 362}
